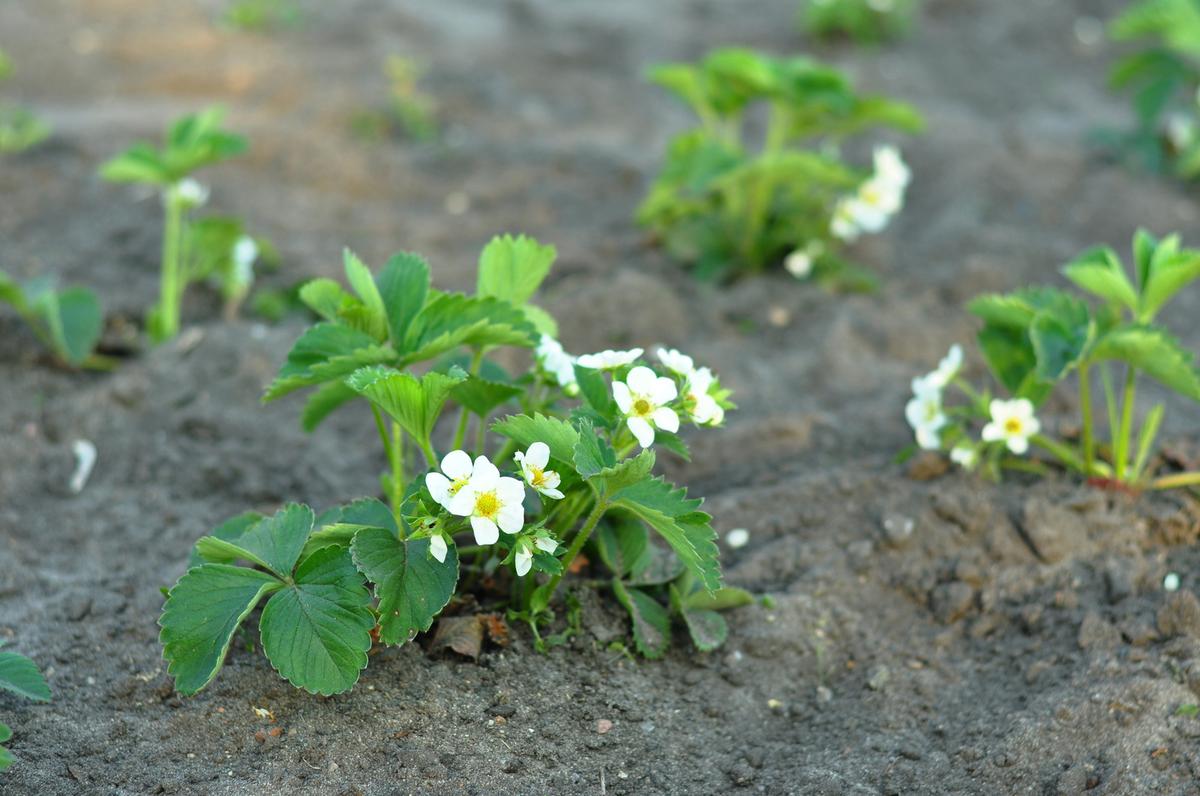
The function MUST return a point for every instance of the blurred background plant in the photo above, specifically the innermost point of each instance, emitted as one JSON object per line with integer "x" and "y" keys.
{"x": 68, "y": 322}
{"x": 410, "y": 112}
{"x": 866, "y": 21}
{"x": 19, "y": 129}
{"x": 260, "y": 16}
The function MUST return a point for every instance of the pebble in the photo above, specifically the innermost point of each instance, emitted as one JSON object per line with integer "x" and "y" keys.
{"x": 880, "y": 677}
{"x": 898, "y": 529}
{"x": 1180, "y": 615}
{"x": 1118, "y": 581}
{"x": 603, "y": 725}
{"x": 824, "y": 695}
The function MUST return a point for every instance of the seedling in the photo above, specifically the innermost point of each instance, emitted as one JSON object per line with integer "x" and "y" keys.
{"x": 411, "y": 109}
{"x": 20, "y": 676}
{"x": 1033, "y": 340}
{"x": 192, "y": 142}
{"x": 19, "y": 129}
{"x": 262, "y": 15}
{"x": 724, "y": 203}
{"x": 508, "y": 498}
{"x": 68, "y": 322}
{"x": 1164, "y": 78}
{"x": 867, "y": 21}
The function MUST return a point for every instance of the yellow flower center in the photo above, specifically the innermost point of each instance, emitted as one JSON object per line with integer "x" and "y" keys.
{"x": 487, "y": 505}
{"x": 1013, "y": 425}
{"x": 458, "y": 483}
{"x": 642, "y": 407}
{"x": 537, "y": 477}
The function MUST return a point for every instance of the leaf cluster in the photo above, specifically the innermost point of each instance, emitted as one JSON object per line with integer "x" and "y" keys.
{"x": 865, "y": 21}
{"x": 19, "y": 675}
{"x": 68, "y": 322}
{"x": 193, "y": 141}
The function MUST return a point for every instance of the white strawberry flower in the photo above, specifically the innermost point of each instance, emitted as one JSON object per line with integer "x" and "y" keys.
{"x": 965, "y": 456}
{"x": 545, "y": 544}
{"x": 1013, "y": 423}
{"x": 555, "y": 361}
{"x": 925, "y": 414}
{"x": 245, "y": 252}
{"x": 191, "y": 192}
{"x": 643, "y": 398}
{"x": 609, "y": 359}
{"x": 457, "y": 467}
{"x": 533, "y": 466}
{"x": 800, "y": 262}
{"x": 675, "y": 361}
{"x": 703, "y": 407}
{"x": 844, "y": 224}
{"x": 948, "y": 368}
{"x": 523, "y": 559}
{"x": 890, "y": 167}
{"x": 438, "y": 548}
{"x": 493, "y": 502}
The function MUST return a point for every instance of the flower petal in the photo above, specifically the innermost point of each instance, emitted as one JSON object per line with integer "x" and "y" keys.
{"x": 511, "y": 518}
{"x": 538, "y": 455}
{"x": 510, "y": 490}
{"x": 551, "y": 492}
{"x": 485, "y": 530}
{"x": 485, "y": 475}
{"x": 992, "y": 432}
{"x": 1018, "y": 445}
{"x": 664, "y": 390}
{"x": 463, "y": 503}
{"x": 622, "y": 396}
{"x": 439, "y": 488}
{"x": 665, "y": 418}
{"x": 641, "y": 380}
{"x": 437, "y": 548}
{"x": 523, "y": 561}
{"x": 642, "y": 431}
{"x": 546, "y": 544}
{"x": 457, "y": 464}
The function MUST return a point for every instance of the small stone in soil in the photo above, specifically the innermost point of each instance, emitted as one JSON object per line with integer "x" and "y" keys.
{"x": 1180, "y": 615}
{"x": 898, "y": 529}
{"x": 880, "y": 676}
{"x": 603, "y": 726}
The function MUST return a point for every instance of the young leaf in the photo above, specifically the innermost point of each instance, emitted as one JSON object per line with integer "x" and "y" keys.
{"x": 669, "y": 511}
{"x": 1153, "y": 351}
{"x": 627, "y": 472}
{"x": 324, "y": 401}
{"x": 1061, "y": 337}
{"x": 525, "y": 430}
{"x": 360, "y": 279}
{"x": 411, "y": 585}
{"x": 651, "y": 622}
{"x": 200, "y": 616}
{"x": 451, "y": 320}
{"x": 413, "y": 403}
{"x": 1100, "y": 271}
{"x": 592, "y": 454}
{"x": 316, "y": 631}
{"x": 404, "y": 286}
{"x": 273, "y": 543}
{"x": 80, "y": 322}
{"x": 1167, "y": 276}
{"x": 708, "y": 629}
{"x": 139, "y": 163}
{"x": 512, "y": 269}
{"x": 326, "y": 298}
{"x": 481, "y": 396}
{"x": 622, "y": 545}
{"x": 229, "y": 531}
{"x": 21, "y": 676}
{"x": 325, "y": 352}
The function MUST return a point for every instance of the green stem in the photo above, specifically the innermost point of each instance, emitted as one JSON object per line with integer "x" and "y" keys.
{"x": 460, "y": 432}
{"x": 1060, "y": 451}
{"x": 170, "y": 281}
{"x": 577, "y": 544}
{"x": 1085, "y": 401}
{"x": 758, "y": 205}
{"x": 1121, "y": 446}
{"x": 431, "y": 459}
{"x": 1177, "y": 480}
{"x": 395, "y": 463}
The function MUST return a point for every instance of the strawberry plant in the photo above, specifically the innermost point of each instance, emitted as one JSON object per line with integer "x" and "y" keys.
{"x": 867, "y": 21}
{"x": 20, "y": 676}
{"x": 727, "y": 201}
{"x": 488, "y": 473}
{"x": 217, "y": 250}
{"x": 19, "y": 129}
{"x": 1036, "y": 339}
{"x": 68, "y": 322}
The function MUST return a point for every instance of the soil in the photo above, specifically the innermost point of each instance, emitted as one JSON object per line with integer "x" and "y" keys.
{"x": 927, "y": 636}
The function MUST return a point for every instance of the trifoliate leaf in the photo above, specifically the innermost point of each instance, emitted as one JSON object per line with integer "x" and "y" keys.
{"x": 139, "y": 163}
{"x": 452, "y": 319}
{"x": 339, "y": 526}
{"x": 411, "y": 585}
{"x": 317, "y": 630}
{"x": 669, "y": 511}
{"x": 656, "y": 567}
{"x": 1167, "y": 276}
{"x": 651, "y": 622}
{"x": 512, "y": 269}
{"x": 413, "y": 403}
{"x": 372, "y": 512}
{"x": 1156, "y": 353}
{"x": 360, "y": 279}
{"x": 404, "y": 285}
{"x": 1100, "y": 271}
{"x": 229, "y": 531}
{"x": 323, "y": 402}
{"x": 326, "y": 298}
{"x": 708, "y": 629}
{"x": 622, "y": 544}
{"x": 327, "y": 351}
{"x": 21, "y": 676}
{"x": 592, "y": 453}
{"x": 481, "y": 396}
{"x": 273, "y": 543}
{"x": 1061, "y": 337}
{"x": 525, "y": 430}
{"x": 627, "y": 472}
{"x": 200, "y": 616}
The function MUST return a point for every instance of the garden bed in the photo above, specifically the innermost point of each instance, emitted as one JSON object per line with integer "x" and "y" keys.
{"x": 928, "y": 634}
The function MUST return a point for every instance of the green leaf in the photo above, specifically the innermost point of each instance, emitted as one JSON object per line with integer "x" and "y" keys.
{"x": 316, "y": 631}
{"x": 1061, "y": 338}
{"x": 725, "y": 598}
{"x": 200, "y": 616}
{"x": 596, "y": 393}
{"x": 325, "y": 400}
{"x": 708, "y": 629}
{"x": 325, "y": 352}
{"x": 413, "y": 403}
{"x": 651, "y": 622}
{"x": 512, "y": 269}
{"x": 21, "y": 676}
{"x": 1156, "y": 353}
{"x": 452, "y": 319}
{"x": 481, "y": 396}
{"x": 229, "y": 531}
{"x": 1167, "y": 276}
{"x": 1100, "y": 271}
{"x": 627, "y": 472}
{"x": 622, "y": 545}
{"x": 404, "y": 287}
{"x": 6, "y": 758}
{"x": 592, "y": 454}
{"x": 525, "y": 430}
{"x": 326, "y": 298}
{"x": 139, "y": 163}
{"x": 411, "y": 585}
{"x": 360, "y": 279}
{"x": 669, "y": 511}
{"x": 273, "y": 543}
{"x": 81, "y": 322}
{"x": 542, "y": 321}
